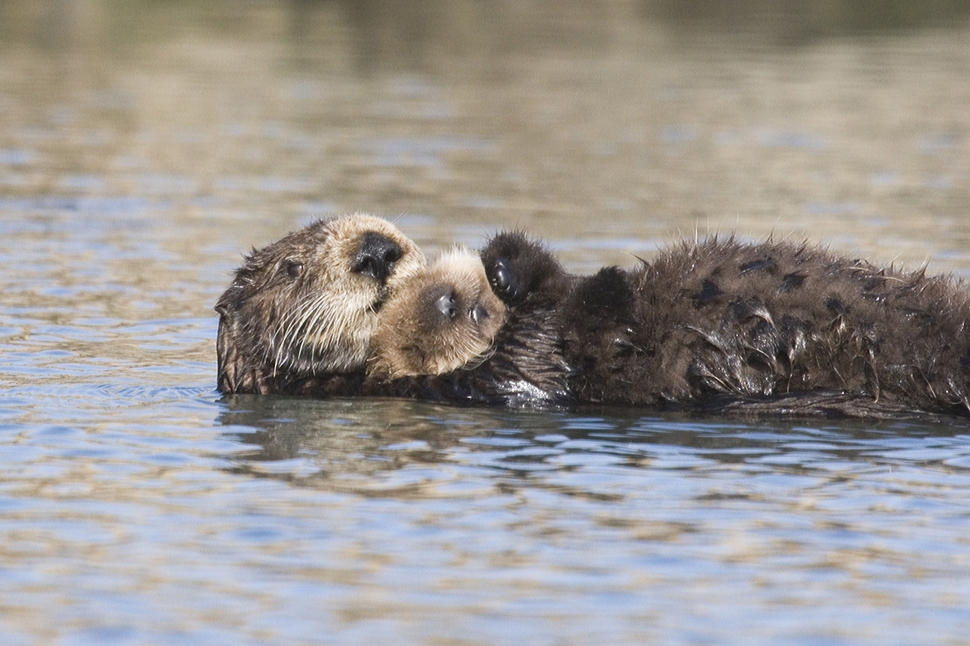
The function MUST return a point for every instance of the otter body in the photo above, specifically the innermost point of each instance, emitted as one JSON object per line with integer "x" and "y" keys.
{"x": 308, "y": 304}
{"x": 715, "y": 326}
{"x": 724, "y": 318}
{"x": 442, "y": 319}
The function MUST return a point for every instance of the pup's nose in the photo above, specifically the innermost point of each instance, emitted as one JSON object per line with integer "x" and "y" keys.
{"x": 376, "y": 256}
{"x": 446, "y": 305}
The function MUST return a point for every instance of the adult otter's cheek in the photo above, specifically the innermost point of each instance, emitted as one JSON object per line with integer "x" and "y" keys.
{"x": 364, "y": 264}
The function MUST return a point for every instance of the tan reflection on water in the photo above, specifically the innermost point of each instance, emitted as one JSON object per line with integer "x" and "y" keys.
{"x": 602, "y": 127}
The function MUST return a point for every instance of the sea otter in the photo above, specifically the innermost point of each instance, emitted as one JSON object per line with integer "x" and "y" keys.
{"x": 443, "y": 318}
{"x": 716, "y": 326}
{"x": 308, "y": 304}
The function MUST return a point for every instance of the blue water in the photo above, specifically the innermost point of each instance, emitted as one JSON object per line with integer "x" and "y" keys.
{"x": 139, "y": 160}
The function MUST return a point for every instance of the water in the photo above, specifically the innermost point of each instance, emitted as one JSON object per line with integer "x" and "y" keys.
{"x": 142, "y": 152}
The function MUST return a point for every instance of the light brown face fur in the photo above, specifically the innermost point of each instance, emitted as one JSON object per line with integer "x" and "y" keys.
{"x": 308, "y": 304}
{"x": 444, "y": 318}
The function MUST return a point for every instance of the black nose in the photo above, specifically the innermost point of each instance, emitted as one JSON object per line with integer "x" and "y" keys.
{"x": 376, "y": 256}
{"x": 446, "y": 305}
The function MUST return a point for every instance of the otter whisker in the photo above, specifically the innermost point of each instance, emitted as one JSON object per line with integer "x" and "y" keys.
{"x": 288, "y": 327}
{"x": 298, "y": 328}
{"x": 319, "y": 316}
{"x": 309, "y": 322}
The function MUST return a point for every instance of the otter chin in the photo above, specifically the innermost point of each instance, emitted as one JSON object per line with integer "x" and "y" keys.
{"x": 309, "y": 303}
{"x": 444, "y": 318}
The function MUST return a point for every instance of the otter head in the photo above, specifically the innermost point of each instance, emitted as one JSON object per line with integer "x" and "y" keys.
{"x": 444, "y": 318}
{"x": 309, "y": 303}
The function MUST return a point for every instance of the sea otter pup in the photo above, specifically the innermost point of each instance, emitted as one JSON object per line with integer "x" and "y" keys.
{"x": 525, "y": 366}
{"x": 442, "y": 319}
{"x": 726, "y": 324}
{"x": 308, "y": 304}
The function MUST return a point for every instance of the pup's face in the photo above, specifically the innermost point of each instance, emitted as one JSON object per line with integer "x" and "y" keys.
{"x": 443, "y": 319}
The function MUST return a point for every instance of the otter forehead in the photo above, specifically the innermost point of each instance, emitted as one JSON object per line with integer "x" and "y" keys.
{"x": 461, "y": 267}
{"x": 365, "y": 250}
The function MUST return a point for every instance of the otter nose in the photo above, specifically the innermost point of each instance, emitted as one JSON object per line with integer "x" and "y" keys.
{"x": 376, "y": 256}
{"x": 446, "y": 305}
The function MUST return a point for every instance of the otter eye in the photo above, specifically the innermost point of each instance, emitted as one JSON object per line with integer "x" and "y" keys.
{"x": 478, "y": 314}
{"x": 446, "y": 305}
{"x": 294, "y": 268}
{"x": 503, "y": 281}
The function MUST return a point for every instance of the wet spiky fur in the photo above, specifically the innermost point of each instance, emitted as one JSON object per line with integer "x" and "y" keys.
{"x": 722, "y": 318}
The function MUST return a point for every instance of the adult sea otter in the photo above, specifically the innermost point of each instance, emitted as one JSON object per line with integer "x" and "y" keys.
{"x": 308, "y": 304}
{"x": 717, "y": 326}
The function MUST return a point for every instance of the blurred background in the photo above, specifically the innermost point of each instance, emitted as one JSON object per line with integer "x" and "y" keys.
{"x": 608, "y": 126}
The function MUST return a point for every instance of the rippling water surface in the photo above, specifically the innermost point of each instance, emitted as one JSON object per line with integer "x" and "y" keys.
{"x": 142, "y": 152}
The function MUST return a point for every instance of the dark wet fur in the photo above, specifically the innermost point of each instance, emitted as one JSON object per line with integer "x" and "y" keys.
{"x": 731, "y": 326}
{"x": 724, "y": 317}
{"x": 717, "y": 327}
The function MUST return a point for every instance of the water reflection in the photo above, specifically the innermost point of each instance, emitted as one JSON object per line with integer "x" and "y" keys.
{"x": 404, "y": 448}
